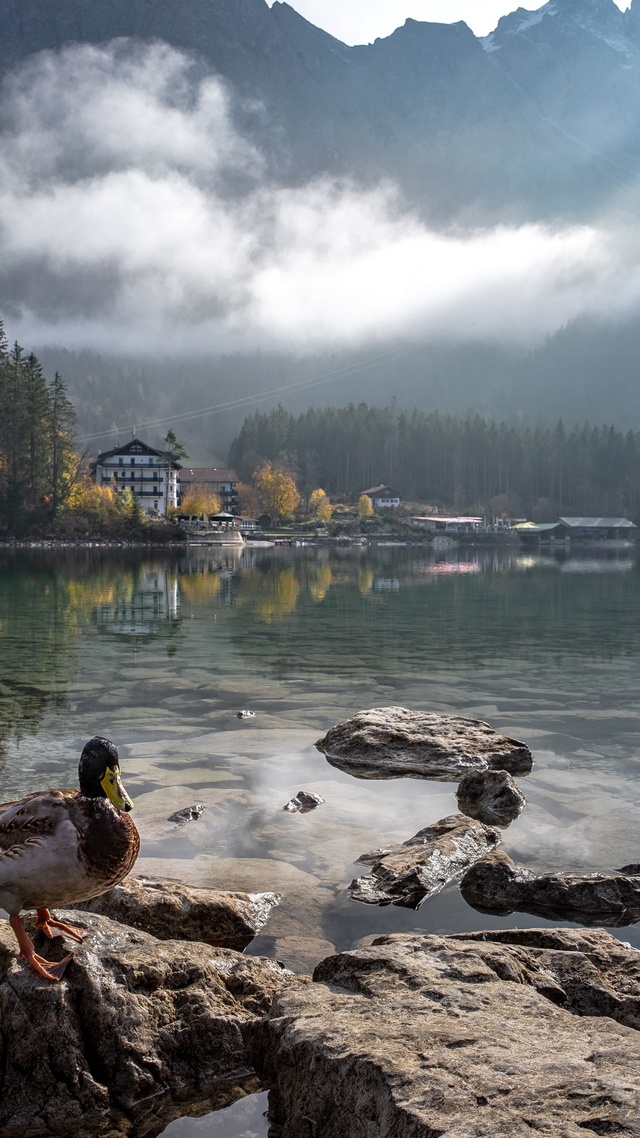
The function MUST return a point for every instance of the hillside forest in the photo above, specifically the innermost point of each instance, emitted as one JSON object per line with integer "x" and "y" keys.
{"x": 468, "y": 463}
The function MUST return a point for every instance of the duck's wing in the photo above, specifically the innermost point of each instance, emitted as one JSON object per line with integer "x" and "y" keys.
{"x": 35, "y": 816}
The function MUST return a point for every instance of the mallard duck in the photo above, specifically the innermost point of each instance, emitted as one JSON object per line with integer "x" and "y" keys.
{"x": 62, "y": 846}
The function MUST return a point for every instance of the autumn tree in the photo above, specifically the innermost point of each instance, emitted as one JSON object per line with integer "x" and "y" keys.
{"x": 200, "y": 500}
{"x": 248, "y": 499}
{"x": 277, "y": 490}
{"x": 365, "y": 506}
{"x": 320, "y": 505}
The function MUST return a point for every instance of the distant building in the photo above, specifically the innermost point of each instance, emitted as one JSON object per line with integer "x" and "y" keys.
{"x": 383, "y": 497}
{"x": 589, "y": 529}
{"x": 218, "y": 479}
{"x": 582, "y": 530}
{"x": 438, "y": 523}
{"x": 145, "y": 471}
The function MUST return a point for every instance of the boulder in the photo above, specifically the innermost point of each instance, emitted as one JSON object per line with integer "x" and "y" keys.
{"x": 392, "y": 742}
{"x": 138, "y": 1032}
{"x": 490, "y": 796}
{"x": 171, "y": 911}
{"x": 497, "y": 885}
{"x": 422, "y": 866}
{"x": 492, "y": 1035}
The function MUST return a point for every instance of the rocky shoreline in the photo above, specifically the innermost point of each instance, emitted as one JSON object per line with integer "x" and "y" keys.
{"x": 491, "y": 1034}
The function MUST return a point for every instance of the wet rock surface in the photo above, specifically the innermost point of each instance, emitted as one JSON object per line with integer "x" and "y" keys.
{"x": 303, "y": 802}
{"x": 422, "y": 866}
{"x": 497, "y": 885}
{"x": 486, "y": 1035}
{"x": 171, "y": 911}
{"x": 490, "y": 796}
{"x": 138, "y": 1032}
{"x": 393, "y": 742}
{"x": 189, "y": 814}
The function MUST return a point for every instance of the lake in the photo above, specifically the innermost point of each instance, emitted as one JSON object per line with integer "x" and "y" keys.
{"x": 159, "y": 651}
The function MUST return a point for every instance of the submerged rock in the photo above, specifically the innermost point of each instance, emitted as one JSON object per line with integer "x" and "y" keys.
{"x": 245, "y": 714}
{"x": 138, "y": 1032}
{"x": 490, "y": 796}
{"x": 497, "y": 885}
{"x": 171, "y": 911}
{"x": 304, "y": 801}
{"x": 189, "y": 814}
{"x": 491, "y": 1035}
{"x": 392, "y": 742}
{"x": 422, "y": 866}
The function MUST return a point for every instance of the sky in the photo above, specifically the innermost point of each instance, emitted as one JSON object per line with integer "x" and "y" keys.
{"x": 362, "y": 21}
{"x": 123, "y": 228}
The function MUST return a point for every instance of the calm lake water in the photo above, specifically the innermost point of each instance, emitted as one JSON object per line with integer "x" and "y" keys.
{"x": 159, "y": 652}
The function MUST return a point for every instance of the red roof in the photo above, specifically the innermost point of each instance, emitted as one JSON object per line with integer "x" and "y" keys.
{"x": 203, "y": 475}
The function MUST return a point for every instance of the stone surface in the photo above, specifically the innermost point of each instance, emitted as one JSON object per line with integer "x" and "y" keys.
{"x": 299, "y": 954}
{"x": 423, "y": 865}
{"x": 392, "y": 742}
{"x": 491, "y": 1035}
{"x": 490, "y": 796}
{"x": 303, "y": 802}
{"x": 497, "y": 885}
{"x": 138, "y": 1032}
{"x": 171, "y": 911}
{"x": 305, "y": 898}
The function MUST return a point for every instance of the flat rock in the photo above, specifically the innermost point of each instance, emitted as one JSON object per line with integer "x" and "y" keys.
{"x": 392, "y": 742}
{"x": 490, "y": 796}
{"x": 491, "y": 1035}
{"x": 422, "y": 866}
{"x": 171, "y": 911}
{"x": 138, "y": 1032}
{"x": 497, "y": 885}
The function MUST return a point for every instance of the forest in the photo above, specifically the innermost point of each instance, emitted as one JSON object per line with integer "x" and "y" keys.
{"x": 37, "y": 423}
{"x": 467, "y": 463}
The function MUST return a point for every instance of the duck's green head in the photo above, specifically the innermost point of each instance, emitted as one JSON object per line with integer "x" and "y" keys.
{"x": 99, "y": 773}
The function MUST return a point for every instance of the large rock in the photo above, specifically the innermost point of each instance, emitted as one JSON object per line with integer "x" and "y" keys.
{"x": 497, "y": 885}
{"x": 422, "y": 866}
{"x": 392, "y": 742}
{"x": 172, "y": 911}
{"x": 138, "y": 1032}
{"x": 495, "y": 1035}
{"x": 490, "y": 796}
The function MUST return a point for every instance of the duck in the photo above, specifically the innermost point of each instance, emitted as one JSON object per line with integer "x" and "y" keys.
{"x": 59, "y": 847}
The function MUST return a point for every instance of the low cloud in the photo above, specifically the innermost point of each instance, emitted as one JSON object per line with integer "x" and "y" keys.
{"x": 134, "y": 215}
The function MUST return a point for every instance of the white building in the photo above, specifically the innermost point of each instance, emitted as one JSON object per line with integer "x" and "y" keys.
{"x": 145, "y": 471}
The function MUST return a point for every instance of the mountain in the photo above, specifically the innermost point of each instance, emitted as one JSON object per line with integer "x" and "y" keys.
{"x": 538, "y": 120}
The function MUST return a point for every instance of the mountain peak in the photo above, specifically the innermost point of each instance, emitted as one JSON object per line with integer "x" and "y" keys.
{"x": 600, "y": 19}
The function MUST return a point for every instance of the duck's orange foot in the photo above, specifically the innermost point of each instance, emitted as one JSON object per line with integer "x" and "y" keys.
{"x": 48, "y": 969}
{"x": 48, "y": 923}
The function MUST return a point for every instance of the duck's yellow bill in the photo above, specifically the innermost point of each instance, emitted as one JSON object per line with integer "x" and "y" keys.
{"x": 115, "y": 791}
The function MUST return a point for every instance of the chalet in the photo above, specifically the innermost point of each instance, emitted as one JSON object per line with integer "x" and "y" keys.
{"x": 145, "y": 471}
{"x": 383, "y": 497}
{"x": 218, "y": 479}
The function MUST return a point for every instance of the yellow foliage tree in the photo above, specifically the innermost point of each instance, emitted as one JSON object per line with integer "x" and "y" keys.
{"x": 365, "y": 506}
{"x": 200, "y": 500}
{"x": 277, "y": 490}
{"x": 87, "y": 499}
{"x": 320, "y": 505}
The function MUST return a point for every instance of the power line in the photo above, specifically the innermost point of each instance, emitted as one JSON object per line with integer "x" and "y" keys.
{"x": 250, "y": 400}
